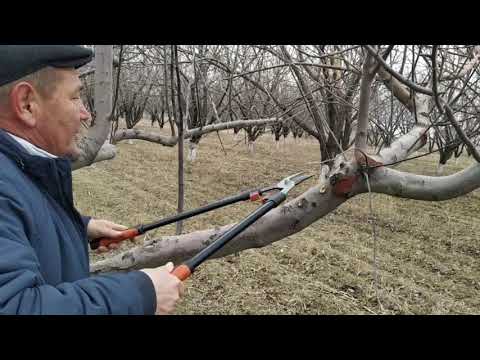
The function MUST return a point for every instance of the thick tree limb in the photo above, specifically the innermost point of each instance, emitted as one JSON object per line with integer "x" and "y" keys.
{"x": 403, "y": 95}
{"x": 230, "y": 125}
{"x": 414, "y": 140}
{"x": 276, "y": 225}
{"x": 399, "y": 90}
{"x": 91, "y": 143}
{"x": 405, "y": 145}
{"x": 429, "y": 188}
{"x": 417, "y": 137}
{"x": 125, "y": 134}
{"x": 107, "y": 152}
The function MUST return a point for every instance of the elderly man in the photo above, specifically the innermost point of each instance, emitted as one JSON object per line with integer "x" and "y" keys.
{"x": 44, "y": 261}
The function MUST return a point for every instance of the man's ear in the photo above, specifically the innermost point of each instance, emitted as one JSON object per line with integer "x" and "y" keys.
{"x": 24, "y": 102}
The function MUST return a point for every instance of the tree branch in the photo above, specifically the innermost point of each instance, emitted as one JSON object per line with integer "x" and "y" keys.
{"x": 467, "y": 67}
{"x": 428, "y": 188}
{"x": 365, "y": 90}
{"x": 125, "y": 134}
{"x": 396, "y": 75}
{"x": 405, "y": 145}
{"x": 435, "y": 79}
{"x": 294, "y": 63}
{"x": 461, "y": 133}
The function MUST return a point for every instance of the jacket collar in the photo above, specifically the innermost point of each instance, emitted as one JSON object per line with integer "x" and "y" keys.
{"x": 31, "y": 148}
{"x": 53, "y": 174}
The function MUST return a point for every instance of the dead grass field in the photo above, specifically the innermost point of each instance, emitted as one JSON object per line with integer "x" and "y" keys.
{"x": 428, "y": 252}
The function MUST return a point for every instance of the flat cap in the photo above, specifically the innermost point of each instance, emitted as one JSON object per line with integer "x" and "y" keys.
{"x": 17, "y": 61}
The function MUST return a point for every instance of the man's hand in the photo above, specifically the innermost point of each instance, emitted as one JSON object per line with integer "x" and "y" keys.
{"x": 103, "y": 228}
{"x": 168, "y": 288}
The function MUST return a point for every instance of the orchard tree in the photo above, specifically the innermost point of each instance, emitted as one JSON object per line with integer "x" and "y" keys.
{"x": 351, "y": 89}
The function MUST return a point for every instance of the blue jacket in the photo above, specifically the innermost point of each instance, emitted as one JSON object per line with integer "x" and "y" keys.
{"x": 44, "y": 260}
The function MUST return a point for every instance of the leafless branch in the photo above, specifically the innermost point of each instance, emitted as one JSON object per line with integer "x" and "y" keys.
{"x": 461, "y": 133}
{"x": 396, "y": 75}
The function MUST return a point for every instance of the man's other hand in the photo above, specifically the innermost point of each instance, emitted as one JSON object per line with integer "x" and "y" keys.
{"x": 168, "y": 288}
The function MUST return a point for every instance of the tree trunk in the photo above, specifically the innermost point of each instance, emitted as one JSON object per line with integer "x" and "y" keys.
{"x": 96, "y": 136}
{"x": 181, "y": 173}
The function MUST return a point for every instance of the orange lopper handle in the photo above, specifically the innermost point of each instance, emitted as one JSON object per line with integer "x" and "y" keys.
{"x": 105, "y": 241}
{"x": 182, "y": 272}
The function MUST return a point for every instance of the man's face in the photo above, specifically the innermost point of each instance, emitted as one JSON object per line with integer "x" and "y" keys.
{"x": 62, "y": 115}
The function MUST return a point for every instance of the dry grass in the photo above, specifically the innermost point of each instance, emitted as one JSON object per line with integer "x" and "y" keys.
{"x": 428, "y": 252}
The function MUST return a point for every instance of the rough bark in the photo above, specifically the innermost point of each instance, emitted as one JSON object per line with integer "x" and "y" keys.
{"x": 428, "y": 188}
{"x": 95, "y": 138}
{"x": 365, "y": 91}
{"x": 124, "y": 134}
{"x": 106, "y": 152}
{"x": 404, "y": 146}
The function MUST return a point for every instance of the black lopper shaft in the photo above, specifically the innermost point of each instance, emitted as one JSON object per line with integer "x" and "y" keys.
{"x": 203, "y": 255}
{"x": 187, "y": 214}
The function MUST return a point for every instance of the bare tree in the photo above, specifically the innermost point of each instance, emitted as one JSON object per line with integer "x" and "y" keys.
{"x": 353, "y": 170}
